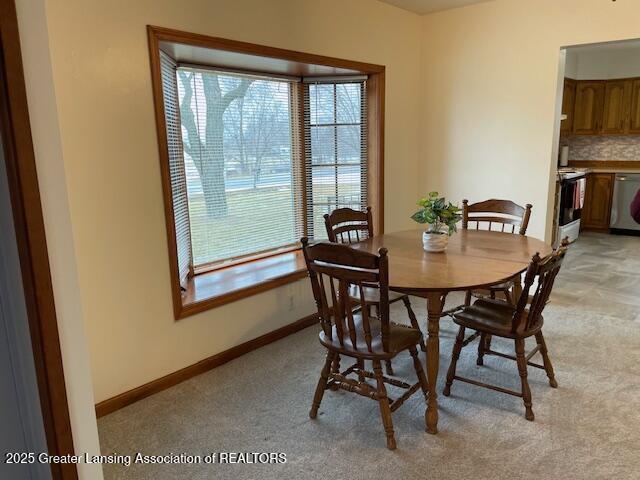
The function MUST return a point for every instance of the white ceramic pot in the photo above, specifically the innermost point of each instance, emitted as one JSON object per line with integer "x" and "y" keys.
{"x": 435, "y": 242}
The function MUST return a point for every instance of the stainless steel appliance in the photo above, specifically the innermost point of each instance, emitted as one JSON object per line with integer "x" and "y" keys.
{"x": 625, "y": 189}
{"x": 573, "y": 184}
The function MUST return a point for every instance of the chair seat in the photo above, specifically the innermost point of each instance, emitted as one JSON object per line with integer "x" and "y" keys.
{"x": 494, "y": 317}
{"x": 372, "y": 295}
{"x": 401, "y": 337}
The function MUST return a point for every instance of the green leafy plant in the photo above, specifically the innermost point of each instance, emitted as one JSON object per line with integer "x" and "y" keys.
{"x": 437, "y": 213}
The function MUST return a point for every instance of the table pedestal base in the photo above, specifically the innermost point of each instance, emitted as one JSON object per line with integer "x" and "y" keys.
{"x": 435, "y": 304}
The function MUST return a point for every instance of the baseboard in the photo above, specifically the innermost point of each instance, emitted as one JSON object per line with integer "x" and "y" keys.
{"x": 625, "y": 231}
{"x": 127, "y": 398}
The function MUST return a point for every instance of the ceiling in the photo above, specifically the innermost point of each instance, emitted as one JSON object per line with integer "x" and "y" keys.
{"x": 429, "y": 6}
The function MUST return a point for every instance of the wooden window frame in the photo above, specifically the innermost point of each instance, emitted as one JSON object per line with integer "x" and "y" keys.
{"x": 255, "y": 276}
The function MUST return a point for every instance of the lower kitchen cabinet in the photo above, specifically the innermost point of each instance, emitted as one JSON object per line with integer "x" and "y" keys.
{"x": 596, "y": 213}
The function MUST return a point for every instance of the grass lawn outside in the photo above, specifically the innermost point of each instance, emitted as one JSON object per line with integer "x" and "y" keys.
{"x": 259, "y": 219}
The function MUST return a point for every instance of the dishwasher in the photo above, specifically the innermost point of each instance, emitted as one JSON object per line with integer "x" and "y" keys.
{"x": 625, "y": 189}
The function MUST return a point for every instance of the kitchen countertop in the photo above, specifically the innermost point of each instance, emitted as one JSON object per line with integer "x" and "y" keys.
{"x": 605, "y": 166}
{"x": 615, "y": 170}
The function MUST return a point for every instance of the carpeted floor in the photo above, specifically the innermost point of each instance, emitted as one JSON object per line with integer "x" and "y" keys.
{"x": 588, "y": 428}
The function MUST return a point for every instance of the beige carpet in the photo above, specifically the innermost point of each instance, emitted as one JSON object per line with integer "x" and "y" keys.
{"x": 588, "y": 428}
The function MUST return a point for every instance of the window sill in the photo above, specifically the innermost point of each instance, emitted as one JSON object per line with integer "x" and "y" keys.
{"x": 226, "y": 285}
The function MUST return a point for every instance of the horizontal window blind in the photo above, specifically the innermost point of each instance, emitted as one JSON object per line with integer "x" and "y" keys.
{"x": 243, "y": 181}
{"x": 335, "y": 114}
{"x": 176, "y": 165}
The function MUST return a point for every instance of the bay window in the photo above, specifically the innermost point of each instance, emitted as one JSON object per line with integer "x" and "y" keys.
{"x": 253, "y": 157}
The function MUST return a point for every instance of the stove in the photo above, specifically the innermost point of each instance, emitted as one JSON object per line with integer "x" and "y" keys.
{"x": 573, "y": 185}
{"x": 571, "y": 173}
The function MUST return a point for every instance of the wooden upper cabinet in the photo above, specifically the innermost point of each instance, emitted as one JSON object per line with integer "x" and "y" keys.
{"x": 602, "y": 107}
{"x": 568, "y": 104}
{"x": 634, "y": 113}
{"x": 617, "y": 94}
{"x": 589, "y": 107}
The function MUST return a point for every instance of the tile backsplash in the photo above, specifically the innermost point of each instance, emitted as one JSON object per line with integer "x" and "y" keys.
{"x": 605, "y": 147}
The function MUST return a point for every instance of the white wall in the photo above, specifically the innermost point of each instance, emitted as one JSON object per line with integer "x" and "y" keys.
{"x": 105, "y": 113}
{"x": 571, "y": 63}
{"x": 490, "y": 77}
{"x": 604, "y": 63}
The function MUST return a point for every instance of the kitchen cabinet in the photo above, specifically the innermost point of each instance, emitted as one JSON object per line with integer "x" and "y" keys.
{"x": 634, "y": 113}
{"x": 597, "y": 202}
{"x": 601, "y": 107}
{"x": 568, "y": 105}
{"x": 617, "y": 96}
{"x": 589, "y": 105}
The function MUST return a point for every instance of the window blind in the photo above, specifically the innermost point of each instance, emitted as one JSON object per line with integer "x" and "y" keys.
{"x": 176, "y": 165}
{"x": 243, "y": 177}
{"x": 335, "y": 114}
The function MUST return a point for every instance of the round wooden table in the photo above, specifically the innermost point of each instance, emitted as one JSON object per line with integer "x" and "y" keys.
{"x": 473, "y": 259}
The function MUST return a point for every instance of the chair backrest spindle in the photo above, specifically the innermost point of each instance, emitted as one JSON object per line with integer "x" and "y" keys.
{"x": 346, "y": 225}
{"x": 501, "y": 212}
{"x": 344, "y": 267}
{"x": 544, "y": 271}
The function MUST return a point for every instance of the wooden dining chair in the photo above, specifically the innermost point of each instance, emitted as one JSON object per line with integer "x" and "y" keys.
{"x": 508, "y": 216}
{"x": 346, "y": 225}
{"x": 519, "y": 322}
{"x": 334, "y": 269}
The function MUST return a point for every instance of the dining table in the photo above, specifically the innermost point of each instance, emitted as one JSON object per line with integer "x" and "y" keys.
{"x": 473, "y": 259}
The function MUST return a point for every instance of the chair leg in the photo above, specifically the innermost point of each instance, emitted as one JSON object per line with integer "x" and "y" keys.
{"x": 522, "y": 370}
{"x": 322, "y": 385}
{"x": 388, "y": 367}
{"x": 467, "y": 298}
{"x": 422, "y": 378}
{"x": 385, "y": 410}
{"x": 481, "y": 348}
{"x": 457, "y": 348}
{"x": 414, "y": 320}
{"x": 546, "y": 360}
{"x": 487, "y": 342}
{"x": 508, "y": 297}
{"x": 335, "y": 366}
{"x": 361, "y": 377}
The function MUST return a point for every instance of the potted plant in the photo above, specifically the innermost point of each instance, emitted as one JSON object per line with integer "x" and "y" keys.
{"x": 441, "y": 219}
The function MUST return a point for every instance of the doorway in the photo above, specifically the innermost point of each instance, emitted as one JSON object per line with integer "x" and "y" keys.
{"x": 23, "y": 427}
{"x": 599, "y": 140}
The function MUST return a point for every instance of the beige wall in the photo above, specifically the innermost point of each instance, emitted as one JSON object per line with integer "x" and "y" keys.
{"x": 490, "y": 75}
{"x": 471, "y": 103}
{"x": 105, "y": 107}
{"x": 60, "y": 242}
